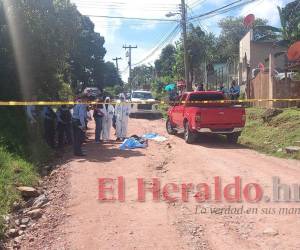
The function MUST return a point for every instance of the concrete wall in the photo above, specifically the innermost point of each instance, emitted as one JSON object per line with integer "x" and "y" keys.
{"x": 261, "y": 51}
{"x": 245, "y": 46}
{"x": 260, "y": 88}
{"x": 245, "y": 50}
{"x": 257, "y": 52}
{"x": 286, "y": 90}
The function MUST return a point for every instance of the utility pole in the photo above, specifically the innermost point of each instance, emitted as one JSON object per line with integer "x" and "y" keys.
{"x": 129, "y": 63}
{"x": 117, "y": 59}
{"x": 184, "y": 35}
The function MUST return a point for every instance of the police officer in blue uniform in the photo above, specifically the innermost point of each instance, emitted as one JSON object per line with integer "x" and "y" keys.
{"x": 64, "y": 121}
{"x": 79, "y": 125}
{"x": 49, "y": 117}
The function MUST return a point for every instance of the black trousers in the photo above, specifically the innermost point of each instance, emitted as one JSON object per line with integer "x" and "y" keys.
{"x": 49, "y": 128}
{"x": 78, "y": 135}
{"x": 64, "y": 133}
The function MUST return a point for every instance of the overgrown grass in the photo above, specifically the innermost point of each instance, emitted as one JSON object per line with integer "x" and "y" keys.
{"x": 14, "y": 171}
{"x": 274, "y": 136}
{"x": 22, "y": 152}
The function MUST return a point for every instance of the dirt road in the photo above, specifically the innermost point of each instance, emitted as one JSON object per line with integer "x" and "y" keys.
{"x": 90, "y": 224}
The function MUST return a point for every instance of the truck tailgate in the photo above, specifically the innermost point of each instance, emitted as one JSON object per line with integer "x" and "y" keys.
{"x": 222, "y": 115}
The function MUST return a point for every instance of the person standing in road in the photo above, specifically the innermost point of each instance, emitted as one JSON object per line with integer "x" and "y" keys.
{"x": 79, "y": 125}
{"x": 49, "y": 117}
{"x": 122, "y": 113}
{"x": 108, "y": 111}
{"x": 64, "y": 121}
{"x": 98, "y": 115}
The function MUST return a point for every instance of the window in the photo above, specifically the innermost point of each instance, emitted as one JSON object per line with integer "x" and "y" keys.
{"x": 142, "y": 95}
{"x": 206, "y": 97}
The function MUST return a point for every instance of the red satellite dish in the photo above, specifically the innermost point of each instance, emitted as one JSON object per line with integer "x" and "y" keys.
{"x": 294, "y": 52}
{"x": 249, "y": 20}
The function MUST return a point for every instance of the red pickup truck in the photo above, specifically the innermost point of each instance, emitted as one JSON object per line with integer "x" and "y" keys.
{"x": 204, "y": 112}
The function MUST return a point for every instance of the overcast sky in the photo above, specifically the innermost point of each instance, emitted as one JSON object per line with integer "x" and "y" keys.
{"x": 147, "y": 34}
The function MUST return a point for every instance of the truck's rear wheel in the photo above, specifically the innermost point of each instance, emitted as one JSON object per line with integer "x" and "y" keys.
{"x": 233, "y": 138}
{"x": 170, "y": 127}
{"x": 189, "y": 136}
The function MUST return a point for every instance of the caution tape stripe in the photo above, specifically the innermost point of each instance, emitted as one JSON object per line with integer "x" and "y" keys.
{"x": 57, "y": 103}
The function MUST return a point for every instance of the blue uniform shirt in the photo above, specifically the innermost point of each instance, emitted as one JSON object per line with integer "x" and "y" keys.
{"x": 79, "y": 113}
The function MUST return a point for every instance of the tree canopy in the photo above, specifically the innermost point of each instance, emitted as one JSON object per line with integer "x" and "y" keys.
{"x": 47, "y": 47}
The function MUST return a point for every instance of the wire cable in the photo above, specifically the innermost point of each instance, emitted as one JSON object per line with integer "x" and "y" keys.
{"x": 161, "y": 44}
{"x": 134, "y": 18}
{"x": 223, "y": 9}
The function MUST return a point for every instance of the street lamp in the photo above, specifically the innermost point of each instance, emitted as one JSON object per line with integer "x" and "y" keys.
{"x": 170, "y": 14}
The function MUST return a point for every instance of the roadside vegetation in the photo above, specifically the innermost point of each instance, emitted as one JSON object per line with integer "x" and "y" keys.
{"x": 274, "y": 136}
{"x": 60, "y": 54}
{"x": 22, "y": 154}
{"x": 14, "y": 171}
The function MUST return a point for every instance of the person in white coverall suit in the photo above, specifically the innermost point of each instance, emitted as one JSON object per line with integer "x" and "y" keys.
{"x": 122, "y": 111}
{"x": 108, "y": 113}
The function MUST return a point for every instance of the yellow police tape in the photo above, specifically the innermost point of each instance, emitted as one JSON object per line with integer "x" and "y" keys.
{"x": 57, "y": 103}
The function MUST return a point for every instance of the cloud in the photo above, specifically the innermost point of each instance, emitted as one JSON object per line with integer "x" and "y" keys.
{"x": 146, "y": 26}
{"x": 132, "y": 8}
{"x": 265, "y": 9}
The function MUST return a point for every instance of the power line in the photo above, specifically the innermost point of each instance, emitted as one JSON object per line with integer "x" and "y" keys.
{"x": 198, "y": 21}
{"x": 134, "y": 18}
{"x": 129, "y": 62}
{"x": 161, "y": 44}
{"x": 117, "y": 65}
{"x": 126, "y": 4}
{"x": 197, "y": 3}
{"x": 124, "y": 70}
{"x": 111, "y": 7}
{"x": 222, "y": 9}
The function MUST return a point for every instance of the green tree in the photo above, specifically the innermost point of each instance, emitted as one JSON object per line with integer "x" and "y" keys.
{"x": 87, "y": 57}
{"x": 142, "y": 76}
{"x": 289, "y": 32}
{"x": 111, "y": 75}
{"x": 290, "y": 21}
{"x": 164, "y": 65}
{"x": 45, "y": 44}
{"x": 201, "y": 48}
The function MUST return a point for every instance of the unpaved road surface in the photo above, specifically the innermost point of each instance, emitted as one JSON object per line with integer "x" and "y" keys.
{"x": 88, "y": 223}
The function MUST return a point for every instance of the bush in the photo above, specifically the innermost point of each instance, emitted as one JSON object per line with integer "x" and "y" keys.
{"x": 17, "y": 136}
{"x": 272, "y": 137}
{"x": 22, "y": 151}
{"x": 14, "y": 171}
{"x": 65, "y": 93}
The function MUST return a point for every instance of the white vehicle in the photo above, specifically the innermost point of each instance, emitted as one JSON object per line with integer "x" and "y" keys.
{"x": 281, "y": 75}
{"x": 278, "y": 74}
{"x": 143, "y": 103}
